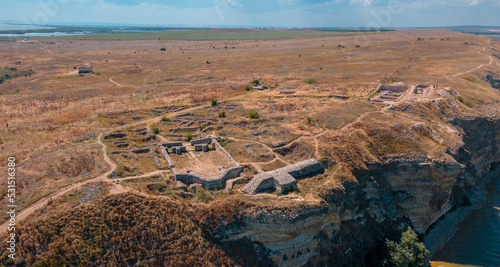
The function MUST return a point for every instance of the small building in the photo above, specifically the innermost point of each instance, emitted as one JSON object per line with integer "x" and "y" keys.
{"x": 85, "y": 70}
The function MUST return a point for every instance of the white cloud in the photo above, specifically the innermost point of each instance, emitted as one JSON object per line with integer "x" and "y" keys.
{"x": 467, "y": 2}
{"x": 361, "y": 2}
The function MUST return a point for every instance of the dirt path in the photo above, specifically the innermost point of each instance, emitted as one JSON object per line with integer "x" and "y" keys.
{"x": 75, "y": 72}
{"x": 476, "y": 68}
{"x": 118, "y": 84}
{"x": 42, "y": 202}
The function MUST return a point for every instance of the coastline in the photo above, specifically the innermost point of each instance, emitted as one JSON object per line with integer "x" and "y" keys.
{"x": 448, "y": 225}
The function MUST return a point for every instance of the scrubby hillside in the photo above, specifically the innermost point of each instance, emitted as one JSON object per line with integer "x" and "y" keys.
{"x": 118, "y": 231}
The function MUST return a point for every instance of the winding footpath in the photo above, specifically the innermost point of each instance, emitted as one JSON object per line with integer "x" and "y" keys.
{"x": 42, "y": 202}
{"x": 114, "y": 82}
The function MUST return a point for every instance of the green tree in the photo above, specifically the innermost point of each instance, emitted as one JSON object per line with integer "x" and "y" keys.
{"x": 255, "y": 82}
{"x": 214, "y": 102}
{"x": 408, "y": 252}
{"x": 155, "y": 130}
{"x": 189, "y": 137}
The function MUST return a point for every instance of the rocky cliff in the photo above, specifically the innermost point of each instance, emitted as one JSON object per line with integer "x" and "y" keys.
{"x": 388, "y": 196}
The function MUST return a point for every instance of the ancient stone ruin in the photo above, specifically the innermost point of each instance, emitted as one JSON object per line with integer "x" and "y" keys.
{"x": 191, "y": 177}
{"x": 283, "y": 179}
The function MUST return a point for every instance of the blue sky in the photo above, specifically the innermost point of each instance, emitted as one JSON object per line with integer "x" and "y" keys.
{"x": 281, "y": 13}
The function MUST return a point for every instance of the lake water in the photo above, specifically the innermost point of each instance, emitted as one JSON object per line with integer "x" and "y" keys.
{"x": 477, "y": 241}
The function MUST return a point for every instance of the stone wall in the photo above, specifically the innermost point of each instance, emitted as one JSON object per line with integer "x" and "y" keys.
{"x": 394, "y": 88}
{"x": 209, "y": 183}
{"x": 224, "y": 152}
{"x": 167, "y": 157}
{"x": 283, "y": 179}
{"x": 201, "y": 141}
{"x": 171, "y": 144}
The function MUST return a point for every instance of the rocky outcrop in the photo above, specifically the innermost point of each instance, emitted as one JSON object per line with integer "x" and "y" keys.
{"x": 354, "y": 220}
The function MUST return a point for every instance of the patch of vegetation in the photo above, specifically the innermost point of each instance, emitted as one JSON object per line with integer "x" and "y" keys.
{"x": 222, "y": 114}
{"x": 311, "y": 81}
{"x": 255, "y": 82}
{"x": 409, "y": 251}
{"x": 155, "y": 130}
{"x": 247, "y": 87}
{"x": 163, "y": 49}
{"x": 124, "y": 230}
{"x": 204, "y": 195}
{"x": 166, "y": 119}
{"x": 207, "y": 34}
{"x": 9, "y": 73}
{"x": 465, "y": 102}
{"x": 224, "y": 142}
{"x": 253, "y": 114}
{"x": 214, "y": 102}
{"x": 189, "y": 137}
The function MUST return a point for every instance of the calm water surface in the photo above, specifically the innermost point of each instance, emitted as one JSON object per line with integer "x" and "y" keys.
{"x": 477, "y": 241}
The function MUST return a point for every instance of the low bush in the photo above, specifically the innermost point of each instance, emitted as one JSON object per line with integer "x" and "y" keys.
{"x": 253, "y": 114}
{"x": 311, "y": 81}
{"x": 214, "y": 102}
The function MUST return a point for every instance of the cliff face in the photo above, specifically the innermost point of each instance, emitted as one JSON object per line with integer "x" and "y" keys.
{"x": 389, "y": 196}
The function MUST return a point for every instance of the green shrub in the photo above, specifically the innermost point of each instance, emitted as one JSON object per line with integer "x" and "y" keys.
{"x": 311, "y": 81}
{"x": 409, "y": 251}
{"x": 222, "y": 114}
{"x": 189, "y": 137}
{"x": 214, "y": 102}
{"x": 255, "y": 82}
{"x": 166, "y": 119}
{"x": 208, "y": 62}
{"x": 201, "y": 126}
{"x": 247, "y": 87}
{"x": 163, "y": 49}
{"x": 309, "y": 121}
{"x": 253, "y": 114}
{"x": 74, "y": 67}
{"x": 394, "y": 79}
{"x": 203, "y": 195}
{"x": 155, "y": 130}
{"x": 357, "y": 46}
{"x": 97, "y": 73}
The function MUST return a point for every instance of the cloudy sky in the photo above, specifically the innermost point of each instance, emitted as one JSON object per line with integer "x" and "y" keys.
{"x": 281, "y": 13}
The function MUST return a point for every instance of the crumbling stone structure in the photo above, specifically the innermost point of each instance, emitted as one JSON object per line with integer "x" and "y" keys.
{"x": 283, "y": 179}
{"x": 192, "y": 177}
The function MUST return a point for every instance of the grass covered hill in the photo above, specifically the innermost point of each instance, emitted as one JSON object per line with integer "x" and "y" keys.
{"x": 122, "y": 230}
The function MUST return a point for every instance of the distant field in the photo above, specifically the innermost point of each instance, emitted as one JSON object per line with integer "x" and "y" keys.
{"x": 208, "y": 35}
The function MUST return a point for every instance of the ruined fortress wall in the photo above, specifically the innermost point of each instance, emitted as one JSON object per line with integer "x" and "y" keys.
{"x": 167, "y": 157}
{"x": 394, "y": 88}
{"x": 209, "y": 183}
{"x": 259, "y": 183}
{"x": 201, "y": 141}
{"x": 190, "y": 178}
{"x": 224, "y": 152}
{"x": 302, "y": 168}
